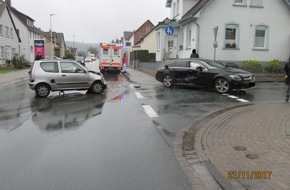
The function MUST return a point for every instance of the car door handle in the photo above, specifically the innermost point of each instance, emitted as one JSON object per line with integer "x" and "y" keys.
{"x": 63, "y": 75}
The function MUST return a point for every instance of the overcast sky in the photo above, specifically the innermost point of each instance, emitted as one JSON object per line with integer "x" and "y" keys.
{"x": 92, "y": 21}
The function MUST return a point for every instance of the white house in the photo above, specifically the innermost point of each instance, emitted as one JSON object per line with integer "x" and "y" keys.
{"x": 27, "y": 31}
{"x": 238, "y": 29}
{"x": 9, "y": 38}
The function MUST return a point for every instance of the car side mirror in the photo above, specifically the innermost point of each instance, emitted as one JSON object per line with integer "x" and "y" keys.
{"x": 199, "y": 68}
{"x": 166, "y": 66}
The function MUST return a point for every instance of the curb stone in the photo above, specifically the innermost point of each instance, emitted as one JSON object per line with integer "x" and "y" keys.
{"x": 185, "y": 151}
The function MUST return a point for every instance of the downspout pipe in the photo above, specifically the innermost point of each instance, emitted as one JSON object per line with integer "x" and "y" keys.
{"x": 197, "y": 36}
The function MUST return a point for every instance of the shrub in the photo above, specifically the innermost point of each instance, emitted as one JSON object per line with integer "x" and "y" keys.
{"x": 141, "y": 55}
{"x": 19, "y": 62}
{"x": 274, "y": 66}
{"x": 152, "y": 57}
{"x": 252, "y": 66}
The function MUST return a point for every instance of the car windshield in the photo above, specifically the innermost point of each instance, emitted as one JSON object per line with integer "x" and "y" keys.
{"x": 210, "y": 64}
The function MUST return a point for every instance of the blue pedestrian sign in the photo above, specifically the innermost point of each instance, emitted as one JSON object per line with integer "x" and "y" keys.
{"x": 169, "y": 30}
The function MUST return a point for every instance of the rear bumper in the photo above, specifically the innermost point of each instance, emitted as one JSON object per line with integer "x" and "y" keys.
{"x": 110, "y": 68}
{"x": 31, "y": 85}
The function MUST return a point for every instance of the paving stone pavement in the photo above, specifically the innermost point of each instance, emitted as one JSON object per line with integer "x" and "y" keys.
{"x": 245, "y": 147}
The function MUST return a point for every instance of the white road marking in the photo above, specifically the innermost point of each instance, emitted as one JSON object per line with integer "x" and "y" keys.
{"x": 149, "y": 111}
{"x": 234, "y": 97}
{"x": 139, "y": 95}
{"x": 242, "y": 100}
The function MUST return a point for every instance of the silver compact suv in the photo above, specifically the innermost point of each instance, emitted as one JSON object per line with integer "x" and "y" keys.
{"x": 61, "y": 75}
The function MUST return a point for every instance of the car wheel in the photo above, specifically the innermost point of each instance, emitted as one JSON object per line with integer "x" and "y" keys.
{"x": 168, "y": 81}
{"x": 222, "y": 85}
{"x": 97, "y": 87}
{"x": 42, "y": 90}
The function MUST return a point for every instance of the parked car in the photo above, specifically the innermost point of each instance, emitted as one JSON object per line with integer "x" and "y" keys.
{"x": 61, "y": 75}
{"x": 204, "y": 73}
{"x": 80, "y": 59}
{"x": 88, "y": 61}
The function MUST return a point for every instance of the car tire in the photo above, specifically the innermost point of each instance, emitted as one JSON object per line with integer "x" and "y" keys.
{"x": 168, "y": 81}
{"x": 222, "y": 85}
{"x": 42, "y": 90}
{"x": 97, "y": 87}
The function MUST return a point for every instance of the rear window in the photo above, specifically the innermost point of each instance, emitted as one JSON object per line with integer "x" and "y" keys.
{"x": 50, "y": 67}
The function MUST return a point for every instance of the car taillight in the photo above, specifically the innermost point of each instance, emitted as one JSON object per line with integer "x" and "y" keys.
{"x": 31, "y": 80}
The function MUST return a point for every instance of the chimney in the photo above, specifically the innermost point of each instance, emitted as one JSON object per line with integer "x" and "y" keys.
{"x": 8, "y": 2}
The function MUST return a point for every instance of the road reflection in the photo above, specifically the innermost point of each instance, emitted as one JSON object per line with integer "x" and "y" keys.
{"x": 65, "y": 112}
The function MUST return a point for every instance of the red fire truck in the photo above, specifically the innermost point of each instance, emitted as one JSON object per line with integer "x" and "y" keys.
{"x": 110, "y": 56}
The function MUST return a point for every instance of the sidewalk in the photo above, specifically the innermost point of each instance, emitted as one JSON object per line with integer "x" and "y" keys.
{"x": 243, "y": 147}
{"x": 15, "y": 76}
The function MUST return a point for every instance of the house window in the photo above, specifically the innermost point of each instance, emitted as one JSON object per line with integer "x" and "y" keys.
{"x": 8, "y": 53}
{"x": 147, "y": 30}
{"x": 14, "y": 52}
{"x": 256, "y": 3}
{"x": 11, "y": 33}
{"x": 1, "y": 30}
{"x": 260, "y": 37}
{"x": 188, "y": 37}
{"x": 240, "y": 3}
{"x": 231, "y": 36}
{"x": 6, "y": 31}
{"x": 2, "y": 52}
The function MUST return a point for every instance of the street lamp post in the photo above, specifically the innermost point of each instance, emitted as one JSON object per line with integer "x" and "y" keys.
{"x": 73, "y": 41}
{"x": 51, "y": 34}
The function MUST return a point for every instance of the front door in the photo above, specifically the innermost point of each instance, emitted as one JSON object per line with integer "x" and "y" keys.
{"x": 172, "y": 47}
{"x": 73, "y": 76}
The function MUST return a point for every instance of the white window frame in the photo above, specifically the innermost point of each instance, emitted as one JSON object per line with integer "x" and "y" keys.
{"x": 261, "y": 43}
{"x": 6, "y": 31}
{"x": 11, "y": 33}
{"x": 233, "y": 26}
{"x": 188, "y": 37}
{"x": 240, "y": 3}
{"x": 2, "y": 52}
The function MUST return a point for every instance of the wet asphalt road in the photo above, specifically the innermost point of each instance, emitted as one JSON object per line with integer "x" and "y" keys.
{"x": 80, "y": 141}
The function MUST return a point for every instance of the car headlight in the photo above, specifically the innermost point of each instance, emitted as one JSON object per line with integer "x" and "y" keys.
{"x": 235, "y": 77}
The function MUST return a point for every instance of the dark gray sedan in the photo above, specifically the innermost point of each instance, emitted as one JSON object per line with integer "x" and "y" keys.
{"x": 204, "y": 73}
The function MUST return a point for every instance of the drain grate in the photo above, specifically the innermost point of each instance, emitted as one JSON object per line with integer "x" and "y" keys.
{"x": 252, "y": 156}
{"x": 240, "y": 148}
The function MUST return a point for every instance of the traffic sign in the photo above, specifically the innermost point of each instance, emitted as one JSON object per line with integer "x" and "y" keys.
{"x": 169, "y": 30}
{"x": 215, "y": 31}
